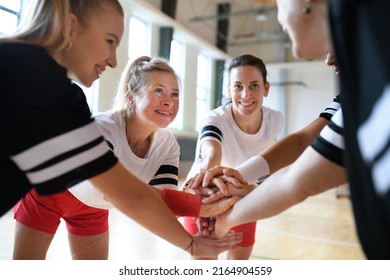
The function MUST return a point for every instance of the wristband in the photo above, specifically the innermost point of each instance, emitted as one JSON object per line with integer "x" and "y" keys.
{"x": 254, "y": 168}
{"x": 182, "y": 203}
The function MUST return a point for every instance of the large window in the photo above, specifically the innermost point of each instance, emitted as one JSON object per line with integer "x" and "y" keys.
{"x": 10, "y": 11}
{"x": 9, "y": 16}
{"x": 202, "y": 89}
{"x": 137, "y": 38}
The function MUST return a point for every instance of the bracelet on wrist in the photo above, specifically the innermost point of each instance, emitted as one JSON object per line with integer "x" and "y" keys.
{"x": 191, "y": 246}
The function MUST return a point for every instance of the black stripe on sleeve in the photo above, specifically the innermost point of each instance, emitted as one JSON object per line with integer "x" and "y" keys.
{"x": 329, "y": 151}
{"x": 211, "y": 131}
{"x": 163, "y": 181}
{"x": 164, "y": 169}
{"x": 327, "y": 115}
{"x": 110, "y": 145}
{"x": 212, "y": 128}
{"x": 212, "y": 135}
{"x": 66, "y": 155}
{"x": 336, "y": 128}
{"x": 171, "y": 172}
{"x": 77, "y": 175}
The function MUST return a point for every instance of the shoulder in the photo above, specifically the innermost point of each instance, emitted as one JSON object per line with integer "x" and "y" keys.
{"x": 165, "y": 136}
{"x": 109, "y": 123}
{"x": 105, "y": 118}
{"x": 24, "y": 53}
{"x": 31, "y": 64}
{"x": 165, "y": 144}
{"x": 270, "y": 110}
{"x": 272, "y": 113}
{"x": 217, "y": 116}
{"x": 221, "y": 110}
{"x": 13, "y": 48}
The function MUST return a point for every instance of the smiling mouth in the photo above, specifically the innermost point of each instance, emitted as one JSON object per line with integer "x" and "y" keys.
{"x": 99, "y": 71}
{"x": 246, "y": 103}
{"x": 164, "y": 113}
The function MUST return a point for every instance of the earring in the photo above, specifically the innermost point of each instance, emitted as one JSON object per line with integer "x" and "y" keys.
{"x": 306, "y": 10}
{"x": 69, "y": 46}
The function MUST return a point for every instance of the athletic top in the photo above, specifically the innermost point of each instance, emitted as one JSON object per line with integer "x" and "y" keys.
{"x": 159, "y": 167}
{"x": 333, "y": 107}
{"x": 330, "y": 142}
{"x": 50, "y": 142}
{"x": 237, "y": 146}
{"x": 362, "y": 43}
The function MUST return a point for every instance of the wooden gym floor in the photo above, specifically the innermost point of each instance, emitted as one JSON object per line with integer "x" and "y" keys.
{"x": 320, "y": 228}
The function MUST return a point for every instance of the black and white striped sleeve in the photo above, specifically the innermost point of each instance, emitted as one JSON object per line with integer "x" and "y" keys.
{"x": 211, "y": 132}
{"x": 330, "y": 142}
{"x": 331, "y": 109}
{"x": 66, "y": 159}
{"x": 166, "y": 176}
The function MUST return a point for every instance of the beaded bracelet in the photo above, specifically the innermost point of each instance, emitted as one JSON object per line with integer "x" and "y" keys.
{"x": 191, "y": 245}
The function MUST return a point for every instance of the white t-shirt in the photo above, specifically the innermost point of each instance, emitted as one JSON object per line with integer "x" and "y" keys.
{"x": 237, "y": 146}
{"x": 159, "y": 167}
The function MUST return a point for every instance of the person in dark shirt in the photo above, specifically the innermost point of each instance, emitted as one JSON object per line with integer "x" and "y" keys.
{"x": 361, "y": 43}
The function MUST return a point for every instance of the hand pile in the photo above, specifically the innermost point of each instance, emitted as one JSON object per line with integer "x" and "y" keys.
{"x": 220, "y": 188}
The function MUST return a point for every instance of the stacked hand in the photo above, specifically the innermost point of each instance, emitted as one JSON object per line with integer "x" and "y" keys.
{"x": 211, "y": 245}
{"x": 217, "y": 178}
{"x": 217, "y": 206}
{"x": 217, "y": 183}
{"x": 221, "y": 188}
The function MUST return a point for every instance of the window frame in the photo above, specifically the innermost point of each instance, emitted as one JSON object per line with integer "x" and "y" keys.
{"x": 6, "y": 10}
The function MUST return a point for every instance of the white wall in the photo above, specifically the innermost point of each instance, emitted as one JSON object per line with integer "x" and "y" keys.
{"x": 302, "y": 103}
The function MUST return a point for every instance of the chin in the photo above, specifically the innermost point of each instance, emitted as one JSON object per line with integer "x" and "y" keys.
{"x": 84, "y": 83}
{"x": 88, "y": 85}
{"x": 164, "y": 124}
{"x": 300, "y": 54}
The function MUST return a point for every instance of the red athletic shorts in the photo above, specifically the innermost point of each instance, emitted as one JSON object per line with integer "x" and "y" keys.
{"x": 248, "y": 231}
{"x": 44, "y": 213}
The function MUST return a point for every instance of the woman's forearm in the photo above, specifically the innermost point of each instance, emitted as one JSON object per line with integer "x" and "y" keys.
{"x": 211, "y": 153}
{"x": 139, "y": 202}
{"x": 309, "y": 175}
{"x": 290, "y": 147}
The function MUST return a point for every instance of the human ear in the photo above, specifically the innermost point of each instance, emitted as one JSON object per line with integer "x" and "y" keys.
{"x": 68, "y": 30}
{"x": 130, "y": 99}
{"x": 266, "y": 87}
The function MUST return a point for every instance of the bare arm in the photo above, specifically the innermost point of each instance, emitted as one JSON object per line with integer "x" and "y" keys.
{"x": 290, "y": 147}
{"x": 309, "y": 175}
{"x": 277, "y": 156}
{"x": 138, "y": 201}
{"x": 211, "y": 153}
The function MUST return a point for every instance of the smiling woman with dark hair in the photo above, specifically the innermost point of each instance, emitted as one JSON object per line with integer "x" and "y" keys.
{"x": 232, "y": 133}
